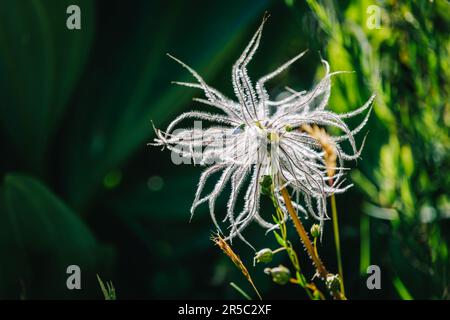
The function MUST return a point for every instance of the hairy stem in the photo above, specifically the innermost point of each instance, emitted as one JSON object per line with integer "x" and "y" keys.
{"x": 321, "y": 270}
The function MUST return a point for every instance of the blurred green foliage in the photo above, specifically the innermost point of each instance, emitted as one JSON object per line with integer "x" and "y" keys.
{"x": 406, "y": 63}
{"x": 80, "y": 186}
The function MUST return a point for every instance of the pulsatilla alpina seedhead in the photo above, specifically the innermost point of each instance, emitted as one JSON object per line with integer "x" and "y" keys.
{"x": 254, "y": 137}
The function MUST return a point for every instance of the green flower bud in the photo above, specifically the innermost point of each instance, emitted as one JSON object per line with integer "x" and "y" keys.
{"x": 266, "y": 185}
{"x": 315, "y": 231}
{"x": 288, "y": 128}
{"x": 333, "y": 282}
{"x": 280, "y": 274}
{"x": 264, "y": 256}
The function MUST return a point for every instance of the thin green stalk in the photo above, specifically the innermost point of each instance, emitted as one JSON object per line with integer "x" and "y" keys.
{"x": 364, "y": 260}
{"x": 311, "y": 290}
{"x": 401, "y": 289}
{"x": 242, "y": 292}
{"x": 337, "y": 242}
{"x": 278, "y": 250}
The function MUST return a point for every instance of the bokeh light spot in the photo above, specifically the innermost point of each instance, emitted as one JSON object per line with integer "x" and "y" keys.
{"x": 112, "y": 179}
{"x": 155, "y": 183}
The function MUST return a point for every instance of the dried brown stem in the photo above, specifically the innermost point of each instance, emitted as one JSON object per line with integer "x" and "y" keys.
{"x": 320, "y": 267}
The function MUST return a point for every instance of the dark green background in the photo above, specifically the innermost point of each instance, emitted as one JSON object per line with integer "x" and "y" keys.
{"x": 80, "y": 185}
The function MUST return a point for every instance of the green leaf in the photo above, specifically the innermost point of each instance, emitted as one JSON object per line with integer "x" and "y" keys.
{"x": 39, "y": 238}
{"x": 280, "y": 240}
{"x": 109, "y": 292}
{"x": 401, "y": 289}
{"x": 111, "y": 122}
{"x": 407, "y": 160}
{"x": 40, "y": 63}
{"x": 364, "y": 184}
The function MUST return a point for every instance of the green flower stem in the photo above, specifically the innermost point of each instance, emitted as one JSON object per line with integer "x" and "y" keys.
{"x": 279, "y": 250}
{"x": 337, "y": 242}
{"x": 242, "y": 292}
{"x": 311, "y": 290}
{"x": 315, "y": 247}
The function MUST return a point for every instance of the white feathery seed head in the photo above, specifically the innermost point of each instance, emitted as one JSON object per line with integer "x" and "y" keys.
{"x": 253, "y": 137}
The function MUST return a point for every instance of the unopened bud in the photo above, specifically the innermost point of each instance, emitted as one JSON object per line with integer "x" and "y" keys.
{"x": 333, "y": 282}
{"x": 315, "y": 231}
{"x": 280, "y": 274}
{"x": 264, "y": 256}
